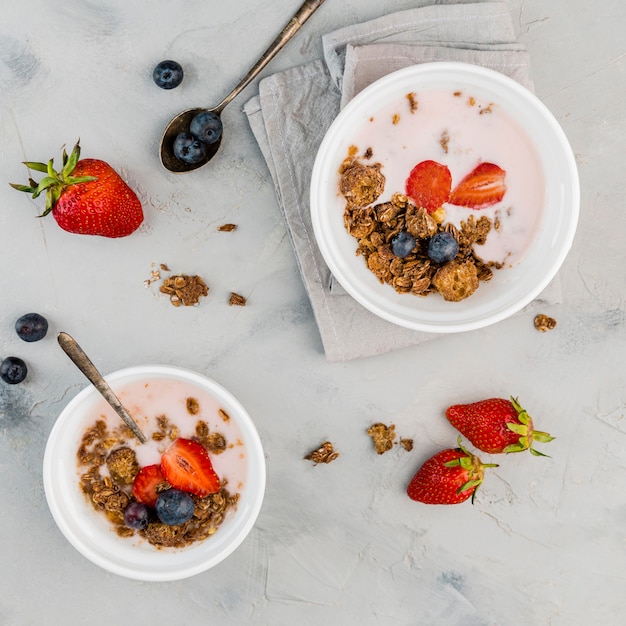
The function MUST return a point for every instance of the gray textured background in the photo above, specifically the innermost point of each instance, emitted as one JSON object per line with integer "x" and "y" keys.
{"x": 336, "y": 544}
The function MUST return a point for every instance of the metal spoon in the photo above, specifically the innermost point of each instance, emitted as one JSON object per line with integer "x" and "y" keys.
{"x": 182, "y": 121}
{"x": 82, "y": 362}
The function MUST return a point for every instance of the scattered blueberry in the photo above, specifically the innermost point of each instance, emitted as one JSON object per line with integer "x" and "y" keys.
{"x": 31, "y": 327}
{"x": 137, "y": 515}
{"x": 442, "y": 247}
{"x": 168, "y": 74}
{"x": 13, "y": 370}
{"x": 174, "y": 507}
{"x": 206, "y": 126}
{"x": 402, "y": 244}
{"x": 188, "y": 149}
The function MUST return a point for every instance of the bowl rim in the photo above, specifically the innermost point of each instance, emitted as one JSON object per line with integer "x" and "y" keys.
{"x": 338, "y": 265}
{"x": 183, "y": 562}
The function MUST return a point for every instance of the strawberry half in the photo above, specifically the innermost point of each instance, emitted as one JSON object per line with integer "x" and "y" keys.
{"x": 450, "y": 477}
{"x": 146, "y": 483}
{"x": 86, "y": 196}
{"x": 482, "y": 187}
{"x": 428, "y": 185}
{"x": 497, "y": 425}
{"x": 186, "y": 466}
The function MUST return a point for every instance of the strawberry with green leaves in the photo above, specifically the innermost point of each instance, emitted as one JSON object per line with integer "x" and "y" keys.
{"x": 86, "y": 196}
{"x": 451, "y": 476}
{"x": 497, "y": 425}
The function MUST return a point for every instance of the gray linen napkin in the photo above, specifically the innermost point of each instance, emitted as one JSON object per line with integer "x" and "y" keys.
{"x": 295, "y": 108}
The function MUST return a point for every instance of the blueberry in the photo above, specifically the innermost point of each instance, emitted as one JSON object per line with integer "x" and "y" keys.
{"x": 168, "y": 74}
{"x": 137, "y": 515}
{"x": 13, "y": 370}
{"x": 31, "y": 327}
{"x": 402, "y": 244}
{"x": 188, "y": 149}
{"x": 174, "y": 507}
{"x": 207, "y": 127}
{"x": 442, "y": 247}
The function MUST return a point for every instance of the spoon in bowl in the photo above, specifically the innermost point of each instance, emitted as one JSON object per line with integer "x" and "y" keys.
{"x": 182, "y": 121}
{"x": 84, "y": 364}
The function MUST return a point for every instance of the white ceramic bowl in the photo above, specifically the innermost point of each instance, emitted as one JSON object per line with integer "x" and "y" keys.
{"x": 95, "y": 537}
{"x": 512, "y": 287}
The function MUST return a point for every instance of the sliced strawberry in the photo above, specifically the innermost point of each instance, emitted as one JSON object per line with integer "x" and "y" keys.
{"x": 481, "y": 188}
{"x": 428, "y": 185}
{"x": 146, "y": 482}
{"x": 186, "y": 466}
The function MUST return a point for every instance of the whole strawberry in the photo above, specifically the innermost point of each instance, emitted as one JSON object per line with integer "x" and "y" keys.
{"x": 450, "y": 477}
{"x": 86, "y": 196}
{"x": 497, "y": 425}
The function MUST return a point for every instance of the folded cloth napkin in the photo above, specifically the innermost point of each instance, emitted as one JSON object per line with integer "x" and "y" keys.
{"x": 295, "y": 108}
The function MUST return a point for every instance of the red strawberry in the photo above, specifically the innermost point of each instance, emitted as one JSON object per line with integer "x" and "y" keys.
{"x": 186, "y": 466}
{"x": 87, "y": 196}
{"x": 481, "y": 188}
{"x": 428, "y": 185}
{"x": 146, "y": 482}
{"x": 497, "y": 425}
{"x": 450, "y": 477}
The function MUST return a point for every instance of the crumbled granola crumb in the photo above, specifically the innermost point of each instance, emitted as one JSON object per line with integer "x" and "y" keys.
{"x": 227, "y": 228}
{"x": 193, "y": 406}
{"x": 413, "y": 103}
{"x": 360, "y": 184}
{"x": 544, "y": 323}
{"x": 225, "y": 417}
{"x": 236, "y": 300}
{"x": 407, "y": 444}
{"x": 382, "y": 436}
{"x": 184, "y": 289}
{"x": 324, "y": 454}
{"x": 123, "y": 465}
{"x": 444, "y": 141}
{"x": 395, "y": 119}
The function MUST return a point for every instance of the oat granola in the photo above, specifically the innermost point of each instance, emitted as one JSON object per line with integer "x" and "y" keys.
{"x": 324, "y": 454}
{"x": 184, "y": 289}
{"x": 382, "y": 436}
{"x": 108, "y": 467}
{"x": 236, "y": 300}
{"x": 544, "y": 323}
{"x": 375, "y": 225}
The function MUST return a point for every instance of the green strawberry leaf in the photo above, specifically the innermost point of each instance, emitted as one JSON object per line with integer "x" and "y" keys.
{"x": 23, "y": 188}
{"x": 537, "y": 453}
{"x": 542, "y": 437}
{"x": 519, "y": 429}
{"x": 37, "y": 167}
{"x": 468, "y": 485}
{"x": 74, "y": 180}
{"x": 45, "y": 183}
{"x": 73, "y": 159}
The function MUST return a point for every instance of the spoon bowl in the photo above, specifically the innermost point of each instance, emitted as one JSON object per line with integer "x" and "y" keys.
{"x": 180, "y": 124}
{"x": 182, "y": 121}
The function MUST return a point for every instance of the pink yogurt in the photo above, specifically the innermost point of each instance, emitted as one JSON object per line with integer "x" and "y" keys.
{"x": 145, "y": 400}
{"x": 476, "y": 131}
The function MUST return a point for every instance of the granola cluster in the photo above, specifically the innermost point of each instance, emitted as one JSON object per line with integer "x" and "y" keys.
{"x": 109, "y": 466}
{"x": 375, "y": 225}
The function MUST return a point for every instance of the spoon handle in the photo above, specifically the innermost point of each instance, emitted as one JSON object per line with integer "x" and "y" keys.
{"x": 294, "y": 25}
{"x": 84, "y": 364}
